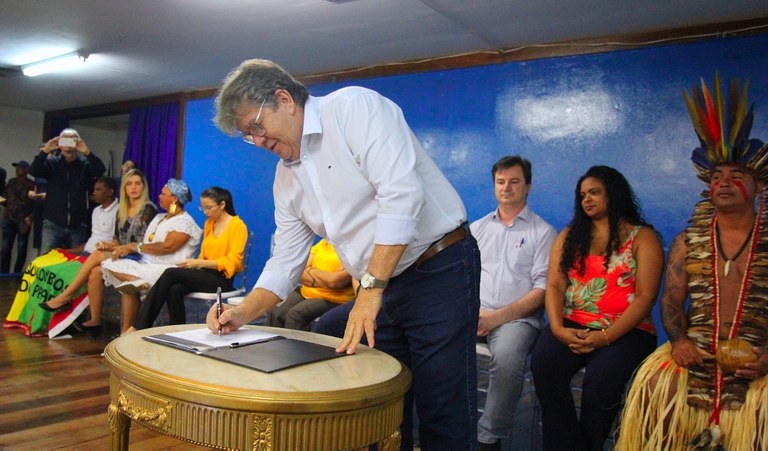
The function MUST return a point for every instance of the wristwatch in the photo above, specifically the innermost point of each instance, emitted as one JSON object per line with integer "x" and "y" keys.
{"x": 368, "y": 281}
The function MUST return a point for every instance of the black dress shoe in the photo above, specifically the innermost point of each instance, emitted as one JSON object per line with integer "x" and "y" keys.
{"x": 92, "y": 331}
{"x": 48, "y": 308}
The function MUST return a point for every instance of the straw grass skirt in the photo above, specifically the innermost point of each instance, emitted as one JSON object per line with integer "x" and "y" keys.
{"x": 643, "y": 424}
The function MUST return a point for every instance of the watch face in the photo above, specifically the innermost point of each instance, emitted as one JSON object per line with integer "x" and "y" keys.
{"x": 367, "y": 280}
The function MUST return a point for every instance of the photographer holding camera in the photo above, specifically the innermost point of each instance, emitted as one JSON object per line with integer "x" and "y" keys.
{"x": 70, "y": 176}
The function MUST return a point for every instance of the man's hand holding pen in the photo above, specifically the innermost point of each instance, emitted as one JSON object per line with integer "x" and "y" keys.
{"x": 255, "y": 304}
{"x": 229, "y": 320}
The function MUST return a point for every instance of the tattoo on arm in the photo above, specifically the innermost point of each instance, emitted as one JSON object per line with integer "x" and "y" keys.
{"x": 673, "y": 315}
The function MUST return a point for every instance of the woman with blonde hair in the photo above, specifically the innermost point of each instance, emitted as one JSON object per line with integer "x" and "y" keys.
{"x": 134, "y": 214}
{"x": 170, "y": 238}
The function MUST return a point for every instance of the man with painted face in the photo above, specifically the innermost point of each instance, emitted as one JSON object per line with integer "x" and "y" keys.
{"x": 70, "y": 176}
{"x": 352, "y": 171}
{"x": 695, "y": 391}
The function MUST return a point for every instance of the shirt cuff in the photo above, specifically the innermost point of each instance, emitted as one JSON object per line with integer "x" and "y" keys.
{"x": 395, "y": 230}
{"x": 540, "y": 283}
{"x": 275, "y": 282}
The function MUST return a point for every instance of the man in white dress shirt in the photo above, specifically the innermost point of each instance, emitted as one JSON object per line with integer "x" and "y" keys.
{"x": 352, "y": 171}
{"x": 514, "y": 245}
{"x": 104, "y": 216}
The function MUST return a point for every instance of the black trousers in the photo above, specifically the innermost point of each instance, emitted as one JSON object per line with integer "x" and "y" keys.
{"x": 171, "y": 287}
{"x": 607, "y": 371}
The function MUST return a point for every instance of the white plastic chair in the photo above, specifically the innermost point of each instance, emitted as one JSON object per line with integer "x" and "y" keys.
{"x": 241, "y": 279}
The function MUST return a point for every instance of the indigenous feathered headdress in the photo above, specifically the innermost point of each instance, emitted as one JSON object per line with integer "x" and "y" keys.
{"x": 724, "y": 134}
{"x": 723, "y": 130}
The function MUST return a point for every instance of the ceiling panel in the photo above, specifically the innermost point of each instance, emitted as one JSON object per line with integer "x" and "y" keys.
{"x": 144, "y": 48}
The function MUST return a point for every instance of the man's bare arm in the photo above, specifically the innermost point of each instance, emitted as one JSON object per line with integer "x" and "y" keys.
{"x": 673, "y": 297}
{"x": 362, "y": 317}
{"x": 523, "y": 307}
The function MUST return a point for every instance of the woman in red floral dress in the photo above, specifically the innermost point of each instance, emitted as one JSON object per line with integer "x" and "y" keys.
{"x": 604, "y": 275}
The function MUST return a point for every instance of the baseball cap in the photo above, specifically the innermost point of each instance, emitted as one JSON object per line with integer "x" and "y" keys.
{"x": 22, "y": 164}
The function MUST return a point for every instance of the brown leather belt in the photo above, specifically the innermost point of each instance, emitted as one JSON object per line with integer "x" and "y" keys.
{"x": 444, "y": 242}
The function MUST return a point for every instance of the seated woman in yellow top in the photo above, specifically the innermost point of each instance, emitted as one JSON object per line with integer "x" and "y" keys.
{"x": 221, "y": 257}
{"x": 324, "y": 285}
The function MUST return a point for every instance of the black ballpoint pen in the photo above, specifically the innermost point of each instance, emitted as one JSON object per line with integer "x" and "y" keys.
{"x": 218, "y": 307}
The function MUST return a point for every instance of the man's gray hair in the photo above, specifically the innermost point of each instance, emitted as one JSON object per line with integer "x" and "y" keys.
{"x": 248, "y": 85}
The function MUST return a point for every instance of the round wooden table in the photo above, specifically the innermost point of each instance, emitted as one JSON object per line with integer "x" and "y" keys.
{"x": 342, "y": 403}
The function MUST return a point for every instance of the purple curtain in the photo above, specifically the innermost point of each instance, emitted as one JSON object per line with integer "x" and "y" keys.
{"x": 151, "y": 143}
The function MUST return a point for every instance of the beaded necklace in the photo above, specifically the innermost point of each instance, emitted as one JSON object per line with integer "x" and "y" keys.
{"x": 167, "y": 215}
{"x": 719, "y": 247}
{"x": 714, "y": 419}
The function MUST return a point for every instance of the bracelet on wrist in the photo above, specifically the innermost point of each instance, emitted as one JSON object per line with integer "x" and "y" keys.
{"x": 138, "y": 247}
{"x": 607, "y": 340}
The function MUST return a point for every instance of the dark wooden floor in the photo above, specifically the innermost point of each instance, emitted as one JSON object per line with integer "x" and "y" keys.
{"x": 54, "y": 393}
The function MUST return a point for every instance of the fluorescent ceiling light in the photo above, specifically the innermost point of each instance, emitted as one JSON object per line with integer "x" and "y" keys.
{"x": 57, "y": 63}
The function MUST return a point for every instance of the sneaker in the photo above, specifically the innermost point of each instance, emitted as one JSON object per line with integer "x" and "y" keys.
{"x": 136, "y": 287}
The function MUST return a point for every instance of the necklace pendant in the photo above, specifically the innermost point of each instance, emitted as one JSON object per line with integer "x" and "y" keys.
{"x": 727, "y": 268}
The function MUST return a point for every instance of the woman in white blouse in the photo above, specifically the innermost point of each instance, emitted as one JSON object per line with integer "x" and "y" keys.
{"x": 170, "y": 238}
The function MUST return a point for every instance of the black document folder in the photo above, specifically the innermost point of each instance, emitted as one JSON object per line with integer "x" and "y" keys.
{"x": 275, "y": 355}
{"x": 259, "y": 350}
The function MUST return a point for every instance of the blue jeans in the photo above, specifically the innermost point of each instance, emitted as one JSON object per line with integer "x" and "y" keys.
{"x": 428, "y": 321}
{"x": 56, "y": 236}
{"x": 12, "y": 229}
{"x": 510, "y": 345}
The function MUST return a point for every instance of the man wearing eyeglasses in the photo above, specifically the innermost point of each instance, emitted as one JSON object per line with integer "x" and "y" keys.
{"x": 353, "y": 172}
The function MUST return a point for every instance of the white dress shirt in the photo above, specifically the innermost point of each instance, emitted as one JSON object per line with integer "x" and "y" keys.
{"x": 102, "y": 225}
{"x": 362, "y": 179}
{"x": 514, "y": 259}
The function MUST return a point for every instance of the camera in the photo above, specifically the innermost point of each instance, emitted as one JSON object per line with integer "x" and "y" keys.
{"x": 67, "y": 142}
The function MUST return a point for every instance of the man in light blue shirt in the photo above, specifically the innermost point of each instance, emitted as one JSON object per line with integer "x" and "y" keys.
{"x": 514, "y": 247}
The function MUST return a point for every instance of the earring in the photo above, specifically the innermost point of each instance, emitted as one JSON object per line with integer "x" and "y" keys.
{"x": 173, "y": 208}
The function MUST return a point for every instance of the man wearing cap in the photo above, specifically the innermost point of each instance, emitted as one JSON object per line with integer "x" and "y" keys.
{"x": 352, "y": 171}
{"x": 70, "y": 178}
{"x": 17, "y": 220}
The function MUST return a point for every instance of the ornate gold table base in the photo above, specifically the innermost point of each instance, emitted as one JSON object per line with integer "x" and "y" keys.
{"x": 271, "y": 417}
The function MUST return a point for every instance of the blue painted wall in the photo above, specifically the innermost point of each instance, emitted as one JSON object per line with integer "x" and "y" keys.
{"x": 623, "y": 109}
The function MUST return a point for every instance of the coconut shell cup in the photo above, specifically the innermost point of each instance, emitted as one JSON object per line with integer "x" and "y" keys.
{"x": 732, "y": 354}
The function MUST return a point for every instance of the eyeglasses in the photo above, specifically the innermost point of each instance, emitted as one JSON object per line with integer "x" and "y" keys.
{"x": 255, "y": 130}
{"x": 207, "y": 208}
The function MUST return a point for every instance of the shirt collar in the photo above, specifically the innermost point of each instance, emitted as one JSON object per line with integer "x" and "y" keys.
{"x": 111, "y": 207}
{"x": 312, "y": 117}
{"x": 525, "y": 214}
{"x": 312, "y": 125}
